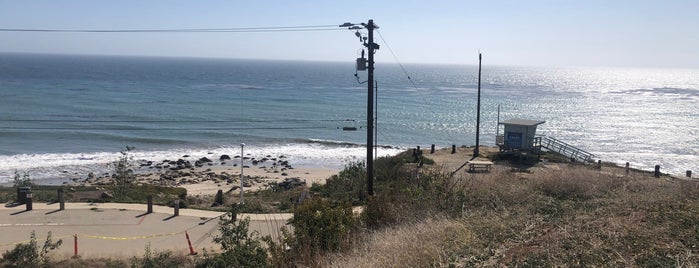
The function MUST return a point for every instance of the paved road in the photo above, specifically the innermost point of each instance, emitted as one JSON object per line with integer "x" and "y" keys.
{"x": 120, "y": 230}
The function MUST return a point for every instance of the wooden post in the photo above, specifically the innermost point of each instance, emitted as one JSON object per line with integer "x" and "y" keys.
{"x": 150, "y": 204}
{"x": 432, "y": 149}
{"x": 453, "y": 149}
{"x": 689, "y": 173}
{"x": 627, "y": 167}
{"x": 177, "y": 207}
{"x": 657, "y": 171}
{"x": 61, "y": 199}
{"x": 599, "y": 164}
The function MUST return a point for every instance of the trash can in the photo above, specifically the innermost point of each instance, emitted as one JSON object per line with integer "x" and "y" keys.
{"x": 23, "y": 193}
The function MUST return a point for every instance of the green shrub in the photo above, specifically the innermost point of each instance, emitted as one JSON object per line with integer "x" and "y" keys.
{"x": 321, "y": 227}
{"x": 348, "y": 186}
{"x": 30, "y": 255}
{"x": 240, "y": 247}
{"x": 152, "y": 259}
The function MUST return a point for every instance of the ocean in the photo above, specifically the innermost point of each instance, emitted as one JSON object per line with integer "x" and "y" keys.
{"x": 64, "y": 116}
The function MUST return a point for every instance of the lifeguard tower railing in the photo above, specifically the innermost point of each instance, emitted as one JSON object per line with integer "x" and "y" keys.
{"x": 550, "y": 144}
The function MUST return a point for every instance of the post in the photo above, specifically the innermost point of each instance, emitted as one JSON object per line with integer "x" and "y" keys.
{"x": 432, "y": 149}
{"x": 189, "y": 242}
{"x": 177, "y": 208}
{"x": 689, "y": 173}
{"x": 453, "y": 148}
{"x": 627, "y": 168}
{"x": 599, "y": 164}
{"x": 370, "y": 109}
{"x": 75, "y": 245}
{"x": 478, "y": 110}
{"x": 29, "y": 201}
{"x": 242, "y": 200}
{"x": 657, "y": 171}
{"x": 150, "y": 204}
{"x": 61, "y": 199}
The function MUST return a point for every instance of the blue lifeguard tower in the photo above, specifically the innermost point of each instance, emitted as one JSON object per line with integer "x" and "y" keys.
{"x": 520, "y": 135}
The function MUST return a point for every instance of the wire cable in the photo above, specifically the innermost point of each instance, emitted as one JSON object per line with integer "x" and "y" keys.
{"x": 424, "y": 97}
{"x": 158, "y": 129}
{"x": 201, "y": 30}
{"x": 174, "y": 121}
{"x": 396, "y": 58}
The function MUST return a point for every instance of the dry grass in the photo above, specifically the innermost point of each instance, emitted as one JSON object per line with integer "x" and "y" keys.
{"x": 553, "y": 216}
{"x": 426, "y": 243}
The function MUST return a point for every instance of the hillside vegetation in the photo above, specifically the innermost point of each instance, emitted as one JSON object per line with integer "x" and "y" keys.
{"x": 564, "y": 215}
{"x": 545, "y": 216}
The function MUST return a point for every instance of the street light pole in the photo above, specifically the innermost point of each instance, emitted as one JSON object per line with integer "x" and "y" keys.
{"x": 476, "y": 151}
{"x": 242, "y": 200}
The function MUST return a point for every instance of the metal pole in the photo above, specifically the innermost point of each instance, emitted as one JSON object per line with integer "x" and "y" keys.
{"x": 370, "y": 111}
{"x": 478, "y": 110}
{"x": 376, "y": 118}
{"x": 242, "y": 200}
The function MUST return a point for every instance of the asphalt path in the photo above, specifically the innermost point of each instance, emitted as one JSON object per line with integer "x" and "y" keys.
{"x": 121, "y": 230}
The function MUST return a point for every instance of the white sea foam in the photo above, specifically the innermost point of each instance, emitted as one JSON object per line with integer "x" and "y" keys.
{"x": 62, "y": 167}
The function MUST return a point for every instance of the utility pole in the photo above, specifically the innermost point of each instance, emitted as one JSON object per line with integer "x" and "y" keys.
{"x": 361, "y": 66}
{"x": 478, "y": 110}
{"x": 370, "y": 109}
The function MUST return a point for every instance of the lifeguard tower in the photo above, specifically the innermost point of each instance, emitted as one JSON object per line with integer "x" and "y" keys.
{"x": 520, "y": 137}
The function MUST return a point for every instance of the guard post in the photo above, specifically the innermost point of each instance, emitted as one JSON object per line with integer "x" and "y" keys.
{"x": 61, "y": 199}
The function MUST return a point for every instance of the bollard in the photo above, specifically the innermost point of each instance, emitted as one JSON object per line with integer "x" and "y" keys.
{"x": 150, "y": 204}
{"x": 177, "y": 207}
{"x": 61, "y": 199}
{"x": 75, "y": 245}
{"x": 432, "y": 149}
{"x": 453, "y": 149}
{"x": 627, "y": 167}
{"x": 657, "y": 171}
{"x": 191, "y": 249}
{"x": 599, "y": 164}
{"x": 689, "y": 173}
{"x": 29, "y": 201}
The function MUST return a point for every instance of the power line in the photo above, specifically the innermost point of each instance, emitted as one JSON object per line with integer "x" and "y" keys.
{"x": 424, "y": 98}
{"x": 157, "y": 129}
{"x": 396, "y": 58}
{"x": 174, "y": 121}
{"x": 186, "y": 30}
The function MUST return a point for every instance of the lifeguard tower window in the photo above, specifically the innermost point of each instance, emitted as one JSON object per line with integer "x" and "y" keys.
{"x": 514, "y": 139}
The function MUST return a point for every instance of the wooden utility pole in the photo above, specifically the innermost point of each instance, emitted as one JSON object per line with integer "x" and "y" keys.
{"x": 370, "y": 26}
{"x": 478, "y": 110}
{"x": 361, "y": 65}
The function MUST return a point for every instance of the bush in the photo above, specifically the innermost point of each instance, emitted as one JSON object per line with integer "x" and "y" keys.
{"x": 240, "y": 247}
{"x": 348, "y": 186}
{"x": 321, "y": 227}
{"x": 152, "y": 259}
{"x": 30, "y": 255}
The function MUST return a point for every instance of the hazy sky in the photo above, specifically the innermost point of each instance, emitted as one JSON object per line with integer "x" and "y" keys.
{"x": 530, "y": 33}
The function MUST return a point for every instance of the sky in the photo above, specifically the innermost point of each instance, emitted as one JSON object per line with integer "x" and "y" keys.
{"x": 615, "y": 33}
